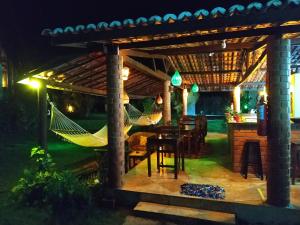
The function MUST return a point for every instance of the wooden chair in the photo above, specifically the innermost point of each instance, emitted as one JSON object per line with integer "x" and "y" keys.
{"x": 200, "y": 131}
{"x": 183, "y": 122}
{"x": 136, "y": 149}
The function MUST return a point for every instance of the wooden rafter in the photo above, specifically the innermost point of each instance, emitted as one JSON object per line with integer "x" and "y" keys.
{"x": 213, "y": 37}
{"x": 204, "y": 49}
{"x": 142, "y": 68}
{"x": 140, "y": 53}
{"x": 254, "y": 67}
{"x": 209, "y": 72}
{"x": 74, "y": 88}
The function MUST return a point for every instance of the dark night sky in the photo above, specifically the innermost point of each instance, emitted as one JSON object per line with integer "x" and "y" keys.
{"x": 22, "y": 21}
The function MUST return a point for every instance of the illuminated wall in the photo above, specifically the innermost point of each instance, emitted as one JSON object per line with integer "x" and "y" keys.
{"x": 295, "y": 95}
{"x": 191, "y": 103}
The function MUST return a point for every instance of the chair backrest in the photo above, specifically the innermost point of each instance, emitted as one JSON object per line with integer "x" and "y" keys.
{"x": 201, "y": 124}
{"x": 167, "y": 130}
{"x": 186, "y": 120}
{"x": 134, "y": 139}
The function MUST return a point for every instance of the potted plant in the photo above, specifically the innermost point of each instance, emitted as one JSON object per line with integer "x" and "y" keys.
{"x": 229, "y": 113}
{"x": 237, "y": 117}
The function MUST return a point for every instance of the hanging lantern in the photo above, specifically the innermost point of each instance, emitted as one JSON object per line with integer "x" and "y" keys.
{"x": 125, "y": 73}
{"x": 176, "y": 79}
{"x": 159, "y": 100}
{"x": 195, "y": 88}
{"x": 125, "y": 98}
{"x": 70, "y": 108}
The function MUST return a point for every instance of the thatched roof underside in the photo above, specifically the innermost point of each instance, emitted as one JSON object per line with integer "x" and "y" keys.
{"x": 87, "y": 74}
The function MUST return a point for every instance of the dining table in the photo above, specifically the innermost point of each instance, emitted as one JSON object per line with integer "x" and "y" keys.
{"x": 157, "y": 143}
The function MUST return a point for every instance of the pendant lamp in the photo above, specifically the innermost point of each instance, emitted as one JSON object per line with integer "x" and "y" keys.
{"x": 159, "y": 100}
{"x": 176, "y": 79}
{"x": 195, "y": 88}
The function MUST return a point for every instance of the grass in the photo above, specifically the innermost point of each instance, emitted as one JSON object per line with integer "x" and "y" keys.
{"x": 14, "y": 158}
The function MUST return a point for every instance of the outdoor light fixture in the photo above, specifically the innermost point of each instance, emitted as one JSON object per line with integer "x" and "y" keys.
{"x": 31, "y": 82}
{"x": 159, "y": 100}
{"x": 195, "y": 88}
{"x": 125, "y": 73}
{"x": 223, "y": 44}
{"x": 70, "y": 108}
{"x": 176, "y": 79}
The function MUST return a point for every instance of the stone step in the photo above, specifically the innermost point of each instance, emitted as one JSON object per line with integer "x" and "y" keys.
{"x": 183, "y": 214}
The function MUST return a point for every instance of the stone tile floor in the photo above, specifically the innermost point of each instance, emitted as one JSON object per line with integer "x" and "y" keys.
{"x": 212, "y": 169}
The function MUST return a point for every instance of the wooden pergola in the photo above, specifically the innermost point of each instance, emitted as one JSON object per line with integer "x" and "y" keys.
{"x": 260, "y": 39}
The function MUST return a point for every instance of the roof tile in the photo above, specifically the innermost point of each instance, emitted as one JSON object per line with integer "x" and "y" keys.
{"x": 201, "y": 13}
{"x": 156, "y": 20}
{"x": 169, "y": 18}
{"x": 217, "y": 12}
{"x": 235, "y": 10}
{"x": 185, "y": 16}
{"x": 141, "y": 21}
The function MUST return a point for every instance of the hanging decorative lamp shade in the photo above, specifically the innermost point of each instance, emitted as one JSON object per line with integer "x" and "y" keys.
{"x": 176, "y": 79}
{"x": 195, "y": 88}
{"x": 159, "y": 100}
{"x": 125, "y": 73}
{"x": 125, "y": 98}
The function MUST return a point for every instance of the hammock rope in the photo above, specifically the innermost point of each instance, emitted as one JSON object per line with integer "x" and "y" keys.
{"x": 61, "y": 125}
{"x": 71, "y": 131}
{"x": 139, "y": 118}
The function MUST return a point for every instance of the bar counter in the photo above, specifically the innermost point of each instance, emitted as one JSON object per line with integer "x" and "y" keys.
{"x": 239, "y": 133}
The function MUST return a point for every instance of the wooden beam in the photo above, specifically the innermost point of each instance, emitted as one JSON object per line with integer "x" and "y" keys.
{"x": 213, "y": 37}
{"x": 271, "y": 16}
{"x": 139, "y": 53}
{"x": 202, "y": 85}
{"x": 204, "y": 49}
{"x": 144, "y": 69}
{"x": 74, "y": 88}
{"x": 209, "y": 72}
{"x": 254, "y": 67}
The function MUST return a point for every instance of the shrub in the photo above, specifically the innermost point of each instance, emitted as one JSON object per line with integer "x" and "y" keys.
{"x": 45, "y": 187}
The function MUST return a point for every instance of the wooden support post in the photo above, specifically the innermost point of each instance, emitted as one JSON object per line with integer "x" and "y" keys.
{"x": 167, "y": 103}
{"x": 115, "y": 115}
{"x": 279, "y": 130}
{"x": 184, "y": 101}
{"x": 42, "y": 114}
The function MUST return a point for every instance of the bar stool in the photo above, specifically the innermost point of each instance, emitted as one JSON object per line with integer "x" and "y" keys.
{"x": 295, "y": 161}
{"x": 252, "y": 157}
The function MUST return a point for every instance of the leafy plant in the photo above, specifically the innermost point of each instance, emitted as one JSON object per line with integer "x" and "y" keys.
{"x": 45, "y": 187}
{"x": 229, "y": 110}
